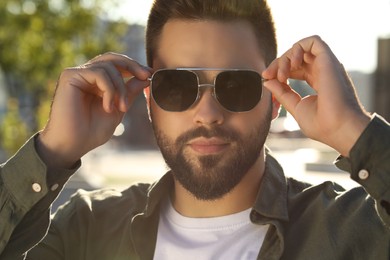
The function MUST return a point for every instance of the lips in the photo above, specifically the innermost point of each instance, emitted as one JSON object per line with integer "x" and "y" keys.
{"x": 208, "y": 145}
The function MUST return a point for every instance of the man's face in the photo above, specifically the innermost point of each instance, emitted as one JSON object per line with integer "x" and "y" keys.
{"x": 208, "y": 148}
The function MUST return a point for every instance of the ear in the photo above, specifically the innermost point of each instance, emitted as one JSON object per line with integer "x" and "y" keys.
{"x": 275, "y": 107}
{"x": 147, "y": 97}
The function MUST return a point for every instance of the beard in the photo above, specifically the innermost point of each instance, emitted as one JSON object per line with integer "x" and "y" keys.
{"x": 210, "y": 177}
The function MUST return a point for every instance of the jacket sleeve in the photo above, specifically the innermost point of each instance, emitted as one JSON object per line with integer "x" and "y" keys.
{"x": 369, "y": 164}
{"x": 27, "y": 190}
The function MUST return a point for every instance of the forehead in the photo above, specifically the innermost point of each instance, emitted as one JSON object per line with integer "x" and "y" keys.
{"x": 208, "y": 43}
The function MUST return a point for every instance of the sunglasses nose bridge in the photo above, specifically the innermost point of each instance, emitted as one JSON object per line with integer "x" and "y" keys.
{"x": 206, "y": 85}
{"x": 203, "y": 87}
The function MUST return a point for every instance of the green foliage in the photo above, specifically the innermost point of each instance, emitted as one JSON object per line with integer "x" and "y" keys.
{"x": 38, "y": 39}
{"x": 14, "y": 131}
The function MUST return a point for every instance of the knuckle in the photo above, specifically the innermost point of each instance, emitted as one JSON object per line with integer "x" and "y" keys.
{"x": 109, "y": 53}
{"x": 68, "y": 72}
{"x": 114, "y": 55}
{"x": 95, "y": 58}
{"x": 317, "y": 37}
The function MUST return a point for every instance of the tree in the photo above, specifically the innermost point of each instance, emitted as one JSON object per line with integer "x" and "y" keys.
{"x": 39, "y": 38}
{"x": 16, "y": 131}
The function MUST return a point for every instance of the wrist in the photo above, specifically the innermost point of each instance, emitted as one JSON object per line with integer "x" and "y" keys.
{"x": 350, "y": 133}
{"x": 54, "y": 155}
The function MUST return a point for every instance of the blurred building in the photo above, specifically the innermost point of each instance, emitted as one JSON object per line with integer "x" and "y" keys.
{"x": 364, "y": 84}
{"x": 382, "y": 79}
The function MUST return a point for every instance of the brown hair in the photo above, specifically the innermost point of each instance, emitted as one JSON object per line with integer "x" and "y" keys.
{"x": 256, "y": 12}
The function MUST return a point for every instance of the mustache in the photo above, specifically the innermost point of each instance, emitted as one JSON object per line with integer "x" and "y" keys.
{"x": 225, "y": 134}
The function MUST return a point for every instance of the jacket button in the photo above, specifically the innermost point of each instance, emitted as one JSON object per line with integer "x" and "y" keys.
{"x": 363, "y": 174}
{"x": 36, "y": 187}
{"x": 54, "y": 187}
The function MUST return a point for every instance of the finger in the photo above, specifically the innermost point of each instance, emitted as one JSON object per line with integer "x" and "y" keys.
{"x": 135, "y": 87}
{"x": 287, "y": 65}
{"x": 284, "y": 69}
{"x": 314, "y": 46}
{"x": 95, "y": 81}
{"x": 296, "y": 56}
{"x": 271, "y": 71}
{"x": 118, "y": 82}
{"x": 278, "y": 69}
{"x": 294, "y": 59}
{"x": 284, "y": 94}
{"x": 127, "y": 66}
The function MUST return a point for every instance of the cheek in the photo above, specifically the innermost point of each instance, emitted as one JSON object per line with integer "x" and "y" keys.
{"x": 262, "y": 113}
{"x": 171, "y": 124}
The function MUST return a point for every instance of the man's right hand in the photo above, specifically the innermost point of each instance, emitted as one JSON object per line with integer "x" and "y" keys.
{"x": 89, "y": 103}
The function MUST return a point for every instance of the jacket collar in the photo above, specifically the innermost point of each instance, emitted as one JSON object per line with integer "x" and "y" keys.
{"x": 157, "y": 192}
{"x": 271, "y": 201}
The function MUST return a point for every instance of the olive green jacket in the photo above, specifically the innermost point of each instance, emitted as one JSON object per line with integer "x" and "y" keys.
{"x": 306, "y": 222}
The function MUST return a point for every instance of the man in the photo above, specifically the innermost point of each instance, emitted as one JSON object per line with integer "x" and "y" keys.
{"x": 225, "y": 196}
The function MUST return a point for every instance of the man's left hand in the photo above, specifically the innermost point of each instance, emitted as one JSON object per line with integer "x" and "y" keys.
{"x": 334, "y": 115}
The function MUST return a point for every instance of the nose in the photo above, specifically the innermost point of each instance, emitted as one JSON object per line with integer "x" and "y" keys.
{"x": 207, "y": 111}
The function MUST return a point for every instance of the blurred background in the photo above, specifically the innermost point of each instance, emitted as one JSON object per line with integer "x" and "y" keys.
{"x": 39, "y": 38}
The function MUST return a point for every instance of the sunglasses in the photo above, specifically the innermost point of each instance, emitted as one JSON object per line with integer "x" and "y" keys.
{"x": 176, "y": 90}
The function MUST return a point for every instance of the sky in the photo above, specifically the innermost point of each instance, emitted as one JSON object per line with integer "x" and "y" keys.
{"x": 350, "y": 27}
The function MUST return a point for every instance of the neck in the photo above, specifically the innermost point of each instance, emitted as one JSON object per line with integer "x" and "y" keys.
{"x": 240, "y": 198}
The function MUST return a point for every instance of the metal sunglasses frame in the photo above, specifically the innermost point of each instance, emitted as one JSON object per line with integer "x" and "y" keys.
{"x": 204, "y": 85}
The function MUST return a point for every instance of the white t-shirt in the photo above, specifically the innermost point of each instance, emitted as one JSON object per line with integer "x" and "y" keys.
{"x": 228, "y": 237}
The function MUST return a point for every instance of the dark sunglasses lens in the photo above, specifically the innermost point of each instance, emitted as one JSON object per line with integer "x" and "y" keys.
{"x": 238, "y": 91}
{"x": 174, "y": 90}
